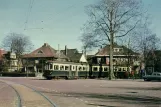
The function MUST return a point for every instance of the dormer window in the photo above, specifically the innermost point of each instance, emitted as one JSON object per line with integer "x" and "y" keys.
{"x": 40, "y": 52}
{"x": 118, "y": 49}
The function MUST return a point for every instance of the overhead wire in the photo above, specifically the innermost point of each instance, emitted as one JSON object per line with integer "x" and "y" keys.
{"x": 58, "y": 13}
{"x": 66, "y": 9}
{"x": 28, "y": 13}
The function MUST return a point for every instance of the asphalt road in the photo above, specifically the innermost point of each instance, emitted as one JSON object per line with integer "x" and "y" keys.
{"x": 96, "y": 93}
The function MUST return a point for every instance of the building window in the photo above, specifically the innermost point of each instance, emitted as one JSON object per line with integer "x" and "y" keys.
{"x": 120, "y": 49}
{"x": 116, "y": 49}
{"x": 15, "y": 63}
{"x": 40, "y": 52}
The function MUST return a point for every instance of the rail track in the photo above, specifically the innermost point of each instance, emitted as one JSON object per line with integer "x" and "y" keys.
{"x": 23, "y": 99}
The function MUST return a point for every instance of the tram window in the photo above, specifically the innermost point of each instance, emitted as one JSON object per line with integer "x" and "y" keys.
{"x": 61, "y": 67}
{"x": 84, "y": 68}
{"x": 73, "y": 67}
{"x": 95, "y": 69}
{"x": 66, "y": 67}
{"x": 119, "y": 69}
{"x": 51, "y": 66}
{"x": 105, "y": 69}
{"x": 56, "y": 67}
{"x": 124, "y": 69}
{"x": 80, "y": 68}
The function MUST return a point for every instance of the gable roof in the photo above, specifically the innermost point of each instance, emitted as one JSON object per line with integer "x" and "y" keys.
{"x": 70, "y": 52}
{"x": 83, "y": 59}
{"x": 46, "y": 51}
{"x": 73, "y": 55}
{"x": 106, "y": 50}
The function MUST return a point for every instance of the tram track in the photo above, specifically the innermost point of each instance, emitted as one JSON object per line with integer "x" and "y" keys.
{"x": 28, "y": 96}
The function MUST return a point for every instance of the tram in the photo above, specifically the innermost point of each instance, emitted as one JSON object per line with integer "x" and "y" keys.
{"x": 54, "y": 69}
{"x": 72, "y": 70}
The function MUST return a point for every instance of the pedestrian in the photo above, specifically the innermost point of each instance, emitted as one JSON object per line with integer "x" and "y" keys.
{"x": 132, "y": 74}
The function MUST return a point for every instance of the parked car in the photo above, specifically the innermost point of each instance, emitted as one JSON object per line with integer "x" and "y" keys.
{"x": 154, "y": 76}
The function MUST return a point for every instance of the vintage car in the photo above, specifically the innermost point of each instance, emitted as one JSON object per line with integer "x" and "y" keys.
{"x": 154, "y": 76}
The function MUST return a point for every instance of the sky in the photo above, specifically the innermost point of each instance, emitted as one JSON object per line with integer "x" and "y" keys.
{"x": 56, "y": 21}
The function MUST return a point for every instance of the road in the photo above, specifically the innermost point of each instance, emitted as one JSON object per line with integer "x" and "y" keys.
{"x": 84, "y": 92}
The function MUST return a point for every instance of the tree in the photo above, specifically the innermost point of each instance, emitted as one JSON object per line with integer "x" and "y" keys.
{"x": 144, "y": 40}
{"x": 17, "y": 43}
{"x": 147, "y": 45}
{"x": 110, "y": 19}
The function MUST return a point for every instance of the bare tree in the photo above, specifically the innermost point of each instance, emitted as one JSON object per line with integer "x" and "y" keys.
{"x": 143, "y": 39}
{"x": 17, "y": 43}
{"x": 147, "y": 44}
{"x": 110, "y": 19}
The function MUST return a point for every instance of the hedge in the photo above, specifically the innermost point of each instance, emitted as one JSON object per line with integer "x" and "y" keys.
{"x": 16, "y": 74}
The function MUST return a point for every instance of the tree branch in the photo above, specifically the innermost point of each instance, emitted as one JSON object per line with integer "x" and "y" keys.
{"x": 128, "y": 30}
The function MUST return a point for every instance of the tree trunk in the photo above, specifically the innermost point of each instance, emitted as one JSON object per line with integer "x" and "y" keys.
{"x": 111, "y": 73}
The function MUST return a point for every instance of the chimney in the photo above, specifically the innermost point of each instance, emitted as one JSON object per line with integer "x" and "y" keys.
{"x": 65, "y": 49}
{"x": 45, "y": 44}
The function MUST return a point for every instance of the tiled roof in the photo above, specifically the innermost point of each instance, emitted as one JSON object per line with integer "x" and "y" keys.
{"x": 45, "y": 51}
{"x": 106, "y": 51}
{"x": 72, "y": 54}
